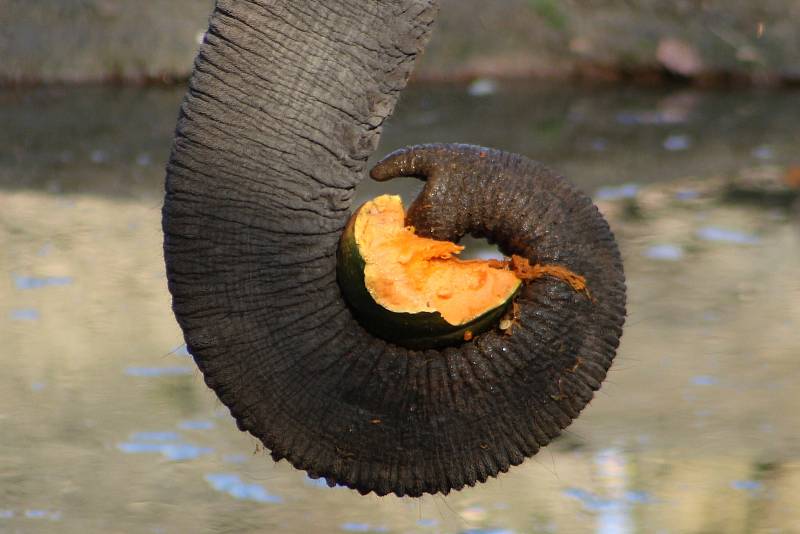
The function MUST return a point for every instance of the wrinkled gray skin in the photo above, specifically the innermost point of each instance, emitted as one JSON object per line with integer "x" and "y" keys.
{"x": 284, "y": 107}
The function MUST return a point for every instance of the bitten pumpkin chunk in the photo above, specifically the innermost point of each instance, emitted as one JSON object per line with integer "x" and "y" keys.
{"x": 407, "y": 273}
{"x": 413, "y": 290}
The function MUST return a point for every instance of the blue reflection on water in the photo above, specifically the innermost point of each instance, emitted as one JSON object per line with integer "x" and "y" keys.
{"x": 747, "y": 485}
{"x": 182, "y": 351}
{"x": 615, "y": 193}
{"x": 356, "y": 527}
{"x": 139, "y": 448}
{"x": 677, "y": 142}
{"x": 35, "y": 282}
{"x": 599, "y": 145}
{"x": 665, "y": 252}
{"x": 156, "y": 436}
{"x": 638, "y": 497}
{"x": 177, "y": 370}
{"x": 36, "y": 514}
{"x": 487, "y": 531}
{"x": 176, "y": 452}
{"x": 167, "y": 444}
{"x": 614, "y": 513}
{"x": 196, "y": 425}
{"x": 45, "y": 249}
{"x": 590, "y": 501}
{"x": 234, "y": 486}
{"x": 320, "y": 483}
{"x": 704, "y": 380}
{"x": 482, "y": 87}
{"x": 763, "y": 152}
{"x": 686, "y": 194}
{"x": 630, "y": 118}
{"x": 52, "y": 515}
{"x": 362, "y": 527}
{"x": 316, "y": 482}
{"x": 144, "y": 159}
{"x": 184, "y": 451}
{"x": 98, "y": 156}
{"x": 614, "y": 510}
{"x": 724, "y": 235}
{"x": 25, "y": 314}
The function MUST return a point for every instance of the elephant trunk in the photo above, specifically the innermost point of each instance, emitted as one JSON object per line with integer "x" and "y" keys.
{"x": 286, "y": 102}
{"x": 285, "y": 105}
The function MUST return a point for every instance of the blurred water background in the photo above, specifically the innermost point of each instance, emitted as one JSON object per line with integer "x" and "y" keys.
{"x": 106, "y": 425}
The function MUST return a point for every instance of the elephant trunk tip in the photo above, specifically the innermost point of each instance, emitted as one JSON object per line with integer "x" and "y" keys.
{"x": 413, "y": 162}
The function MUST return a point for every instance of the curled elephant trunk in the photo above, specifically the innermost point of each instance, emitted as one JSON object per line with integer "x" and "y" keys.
{"x": 285, "y": 105}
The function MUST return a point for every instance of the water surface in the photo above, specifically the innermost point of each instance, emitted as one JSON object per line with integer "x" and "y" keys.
{"x": 106, "y": 425}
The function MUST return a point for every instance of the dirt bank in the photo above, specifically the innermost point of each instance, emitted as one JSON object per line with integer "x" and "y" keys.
{"x": 640, "y": 40}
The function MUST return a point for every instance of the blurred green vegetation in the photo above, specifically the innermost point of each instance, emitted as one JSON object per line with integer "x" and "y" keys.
{"x": 550, "y": 12}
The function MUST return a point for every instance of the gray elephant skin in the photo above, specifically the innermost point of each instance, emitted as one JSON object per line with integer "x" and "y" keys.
{"x": 286, "y": 103}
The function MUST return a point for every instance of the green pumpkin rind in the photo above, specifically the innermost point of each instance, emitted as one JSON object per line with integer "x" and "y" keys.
{"x": 423, "y": 330}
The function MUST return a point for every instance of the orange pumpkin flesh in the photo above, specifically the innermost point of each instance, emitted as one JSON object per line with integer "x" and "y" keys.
{"x": 415, "y": 292}
{"x": 410, "y": 274}
{"x": 412, "y": 290}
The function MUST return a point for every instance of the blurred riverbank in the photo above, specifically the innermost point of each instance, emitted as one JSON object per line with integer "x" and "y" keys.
{"x": 115, "y": 141}
{"x": 648, "y": 41}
